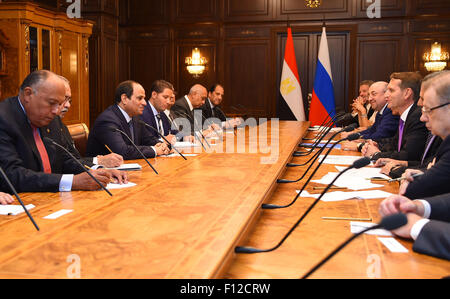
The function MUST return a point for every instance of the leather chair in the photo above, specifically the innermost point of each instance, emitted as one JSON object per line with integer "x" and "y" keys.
{"x": 80, "y": 134}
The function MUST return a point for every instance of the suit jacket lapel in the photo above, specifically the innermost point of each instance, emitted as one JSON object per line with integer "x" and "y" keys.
{"x": 25, "y": 129}
{"x": 123, "y": 121}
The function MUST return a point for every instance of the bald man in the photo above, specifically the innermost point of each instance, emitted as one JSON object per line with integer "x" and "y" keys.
{"x": 385, "y": 125}
{"x": 32, "y": 163}
{"x": 184, "y": 108}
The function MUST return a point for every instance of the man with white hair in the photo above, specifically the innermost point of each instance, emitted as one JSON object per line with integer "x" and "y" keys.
{"x": 435, "y": 114}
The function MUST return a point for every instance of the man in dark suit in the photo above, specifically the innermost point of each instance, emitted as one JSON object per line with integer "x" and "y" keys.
{"x": 409, "y": 143}
{"x": 123, "y": 116}
{"x": 211, "y": 108}
{"x": 385, "y": 125}
{"x": 111, "y": 160}
{"x": 428, "y": 222}
{"x": 188, "y": 113}
{"x": 32, "y": 163}
{"x": 162, "y": 96}
{"x": 396, "y": 168}
{"x": 362, "y": 112}
{"x": 435, "y": 113}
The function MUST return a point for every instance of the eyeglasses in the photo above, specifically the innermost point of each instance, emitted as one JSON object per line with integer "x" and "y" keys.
{"x": 429, "y": 110}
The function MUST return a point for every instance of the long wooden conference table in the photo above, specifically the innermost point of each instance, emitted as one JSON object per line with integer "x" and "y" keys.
{"x": 185, "y": 222}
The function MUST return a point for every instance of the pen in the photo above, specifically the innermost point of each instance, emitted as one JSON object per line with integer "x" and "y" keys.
{"x": 416, "y": 175}
{"x": 109, "y": 149}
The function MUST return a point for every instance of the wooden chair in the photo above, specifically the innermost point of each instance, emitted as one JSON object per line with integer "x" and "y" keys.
{"x": 80, "y": 134}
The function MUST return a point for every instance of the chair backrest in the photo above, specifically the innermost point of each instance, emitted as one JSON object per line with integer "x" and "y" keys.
{"x": 80, "y": 134}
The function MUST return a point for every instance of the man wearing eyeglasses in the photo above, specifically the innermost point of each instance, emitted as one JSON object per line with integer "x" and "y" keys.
{"x": 32, "y": 163}
{"x": 436, "y": 116}
{"x": 110, "y": 161}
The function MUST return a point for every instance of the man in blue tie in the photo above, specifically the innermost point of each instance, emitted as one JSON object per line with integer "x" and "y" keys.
{"x": 385, "y": 125}
{"x": 409, "y": 142}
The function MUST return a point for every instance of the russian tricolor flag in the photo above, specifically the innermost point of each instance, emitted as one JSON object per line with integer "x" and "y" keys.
{"x": 290, "y": 88}
{"x": 322, "y": 103}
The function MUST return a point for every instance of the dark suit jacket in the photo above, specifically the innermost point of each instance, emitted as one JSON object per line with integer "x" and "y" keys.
{"x": 182, "y": 110}
{"x": 429, "y": 157}
{"x": 67, "y": 141}
{"x": 210, "y": 113}
{"x": 20, "y": 158}
{"x": 434, "y": 239}
{"x": 355, "y": 119}
{"x": 102, "y": 134}
{"x": 413, "y": 142}
{"x": 436, "y": 180}
{"x": 385, "y": 126}
{"x": 149, "y": 117}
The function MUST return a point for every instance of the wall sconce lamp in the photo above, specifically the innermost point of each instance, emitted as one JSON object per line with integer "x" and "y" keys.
{"x": 436, "y": 60}
{"x": 313, "y": 3}
{"x": 196, "y": 64}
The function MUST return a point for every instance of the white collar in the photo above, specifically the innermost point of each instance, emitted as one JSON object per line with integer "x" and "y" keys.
{"x": 155, "y": 112}
{"x": 189, "y": 103}
{"x": 404, "y": 116}
{"x": 127, "y": 117}
{"x": 382, "y": 110}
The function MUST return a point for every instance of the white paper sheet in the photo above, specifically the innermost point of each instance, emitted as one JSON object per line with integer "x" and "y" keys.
{"x": 14, "y": 210}
{"x": 341, "y": 196}
{"x": 112, "y": 186}
{"x": 357, "y": 227}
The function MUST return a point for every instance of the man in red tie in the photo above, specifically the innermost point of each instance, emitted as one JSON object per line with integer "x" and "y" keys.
{"x": 32, "y": 163}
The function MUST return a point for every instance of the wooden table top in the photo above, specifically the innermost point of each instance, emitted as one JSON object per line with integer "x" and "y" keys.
{"x": 183, "y": 223}
{"x": 186, "y": 222}
{"x": 315, "y": 238}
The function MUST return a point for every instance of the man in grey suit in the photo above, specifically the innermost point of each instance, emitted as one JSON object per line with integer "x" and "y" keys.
{"x": 428, "y": 222}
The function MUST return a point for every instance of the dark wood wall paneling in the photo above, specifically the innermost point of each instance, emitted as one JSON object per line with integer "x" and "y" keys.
{"x": 243, "y": 41}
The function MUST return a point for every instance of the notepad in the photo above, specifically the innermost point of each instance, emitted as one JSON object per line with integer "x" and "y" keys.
{"x": 14, "y": 210}
{"x": 185, "y": 144}
{"x": 112, "y": 186}
{"x": 58, "y": 214}
{"x": 357, "y": 227}
{"x": 393, "y": 245}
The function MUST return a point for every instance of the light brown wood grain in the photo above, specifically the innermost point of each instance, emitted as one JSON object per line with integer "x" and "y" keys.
{"x": 315, "y": 238}
{"x": 183, "y": 223}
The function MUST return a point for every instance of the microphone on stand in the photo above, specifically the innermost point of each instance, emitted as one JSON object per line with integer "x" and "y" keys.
{"x": 389, "y": 223}
{"x": 273, "y": 207}
{"x": 357, "y": 164}
{"x": 196, "y": 125}
{"x": 316, "y": 156}
{"x": 82, "y": 166}
{"x": 307, "y": 153}
{"x": 349, "y": 138}
{"x": 135, "y": 146}
{"x": 18, "y": 198}
{"x": 162, "y": 136}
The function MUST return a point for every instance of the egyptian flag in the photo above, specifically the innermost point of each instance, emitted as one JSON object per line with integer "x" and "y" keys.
{"x": 290, "y": 88}
{"x": 322, "y": 103}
